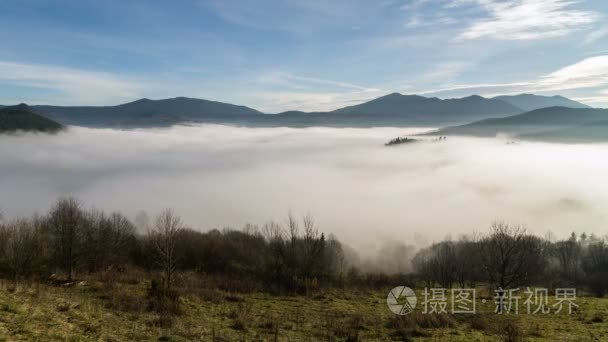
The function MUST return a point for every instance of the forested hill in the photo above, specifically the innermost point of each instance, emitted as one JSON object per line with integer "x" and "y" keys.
{"x": 21, "y": 118}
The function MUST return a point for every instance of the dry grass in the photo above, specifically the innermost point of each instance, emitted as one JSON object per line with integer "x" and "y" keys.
{"x": 118, "y": 313}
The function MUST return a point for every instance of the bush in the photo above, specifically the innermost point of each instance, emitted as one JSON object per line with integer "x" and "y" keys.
{"x": 511, "y": 332}
{"x": 344, "y": 326}
{"x": 413, "y": 325}
{"x": 478, "y": 322}
{"x": 598, "y": 317}
{"x": 162, "y": 300}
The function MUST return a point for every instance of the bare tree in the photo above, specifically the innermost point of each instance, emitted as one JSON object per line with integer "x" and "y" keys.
{"x": 510, "y": 257}
{"x": 569, "y": 254}
{"x": 437, "y": 264}
{"x": 276, "y": 267}
{"x": 292, "y": 226}
{"x": 466, "y": 263}
{"x": 105, "y": 240}
{"x": 23, "y": 247}
{"x": 595, "y": 265}
{"x": 164, "y": 238}
{"x": 66, "y": 221}
{"x": 122, "y": 232}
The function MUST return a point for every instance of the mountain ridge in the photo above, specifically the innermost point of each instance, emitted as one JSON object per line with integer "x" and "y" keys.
{"x": 393, "y": 109}
{"x": 529, "y": 102}
{"x": 536, "y": 124}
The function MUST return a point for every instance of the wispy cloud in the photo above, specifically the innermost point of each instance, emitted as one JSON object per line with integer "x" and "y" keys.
{"x": 527, "y": 19}
{"x": 278, "y": 91}
{"x": 276, "y": 101}
{"x": 295, "y": 81}
{"x": 588, "y": 74}
{"x": 480, "y": 88}
{"x": 447, "y": 70}
{"x": 596, "y": 35}
{"x": 69, "y": 85}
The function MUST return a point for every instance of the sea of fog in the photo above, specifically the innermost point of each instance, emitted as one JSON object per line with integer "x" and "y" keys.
{"x": 356, "y": 188}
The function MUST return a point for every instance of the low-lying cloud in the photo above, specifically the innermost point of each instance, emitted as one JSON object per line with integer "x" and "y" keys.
{"x": 360, "y": 190}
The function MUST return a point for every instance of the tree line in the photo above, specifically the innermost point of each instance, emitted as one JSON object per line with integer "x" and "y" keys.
{"x": 289, "y": 258}
{"x": 70, "y": 240}
{"x": 509, "y": 257}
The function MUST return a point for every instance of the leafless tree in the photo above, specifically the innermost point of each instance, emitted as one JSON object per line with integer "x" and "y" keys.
{"x": 122, "y": 232}
{"x": 164, "y": 237}
{"x": 294, "y": 229}
{"x": 106, "y": 239}
{"x": 66, "y": 222}
{"x": 23, "y": 247}
{"x": 595, "y": 265}
{"x": 437, "y": 264}
{"x": 510, "y": 257}
{"x": 569, "y": 254}
{"x": 466, "y": 263}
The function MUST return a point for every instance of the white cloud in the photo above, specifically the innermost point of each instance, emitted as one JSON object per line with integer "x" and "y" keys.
{"x": 589, "y": 73}
{"x": 527, "y": 19}
{"x": 72, "y": 86}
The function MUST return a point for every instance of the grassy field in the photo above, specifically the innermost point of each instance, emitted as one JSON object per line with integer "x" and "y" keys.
{"x": 94, "y": 311}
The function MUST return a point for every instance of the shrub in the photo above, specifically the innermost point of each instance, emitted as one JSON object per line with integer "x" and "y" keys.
{"x": 511, "y": 332}
{"x": 163, "y": 300}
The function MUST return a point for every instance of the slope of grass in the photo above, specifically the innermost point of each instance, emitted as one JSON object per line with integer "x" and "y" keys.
{"x": 96, "y": 312}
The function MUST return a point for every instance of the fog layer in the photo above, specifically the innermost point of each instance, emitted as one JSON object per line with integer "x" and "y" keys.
{"x": 354, "y": 186}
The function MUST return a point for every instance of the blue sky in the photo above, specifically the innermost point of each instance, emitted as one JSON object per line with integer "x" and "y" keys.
{"x": 275, "y": 55}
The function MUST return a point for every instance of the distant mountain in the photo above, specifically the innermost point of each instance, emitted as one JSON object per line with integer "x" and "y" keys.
{"x": 394, "y": 110}
{"x": 399, "y": 110}
{"x": 149, "y": 113}
{"x": 551, "y": 123}
{"x": 390, "y": 110}
{"x": 21, "y": 118}
{"x": 431, "y": 109}
{"x": 529, "y": 102}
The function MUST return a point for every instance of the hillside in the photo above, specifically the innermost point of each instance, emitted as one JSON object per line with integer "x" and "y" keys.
{"x": 529, "y": 102}
{"x": 589, "y": 132}
{"x": 21, "y": 118}
{"x": 549, "y": 122}
{"x": 149, "y": 113}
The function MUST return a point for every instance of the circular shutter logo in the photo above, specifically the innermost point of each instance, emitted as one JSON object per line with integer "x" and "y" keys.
{"x": 401, "y": 300}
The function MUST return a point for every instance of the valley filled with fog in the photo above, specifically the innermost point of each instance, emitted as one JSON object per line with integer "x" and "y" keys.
{"x": 365, "y": 193}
